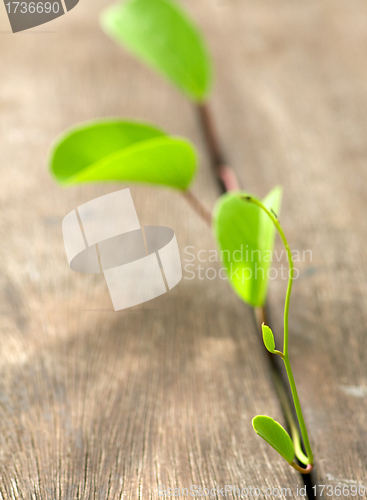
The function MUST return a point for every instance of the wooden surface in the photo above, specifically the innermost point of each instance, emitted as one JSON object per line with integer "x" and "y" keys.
{"x": 300, "y": 90}
{"x": 98, "y": 404}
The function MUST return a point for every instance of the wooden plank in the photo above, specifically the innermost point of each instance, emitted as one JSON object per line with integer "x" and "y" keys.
{"x": 291, "y": 104}
{"x": 93, "y": 403}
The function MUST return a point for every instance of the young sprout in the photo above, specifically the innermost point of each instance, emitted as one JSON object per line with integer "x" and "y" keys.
{"x": 164, "y": 37}
{"x": 270, "y": 430}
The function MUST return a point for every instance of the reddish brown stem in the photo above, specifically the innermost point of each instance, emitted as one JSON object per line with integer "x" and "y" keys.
{"x": 224, "y": 174}
{"x": 228, "y": 182}
{"x": 197, "y": 206}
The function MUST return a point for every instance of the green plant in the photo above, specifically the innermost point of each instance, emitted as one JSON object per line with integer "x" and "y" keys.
{"x": 163, "y": 36}
{"x": 244, "y": 229}
{"x": 265, "y": 426}
{"x": 123, "y": 151}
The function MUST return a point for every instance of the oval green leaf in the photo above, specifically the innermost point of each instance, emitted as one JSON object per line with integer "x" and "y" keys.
{"x": 162, "y": 35}
{"x": 275, "y": 435}
{"x": 122, "y": 151}
{"x": 268, "y": 338}
{"x": 245, "y": 235}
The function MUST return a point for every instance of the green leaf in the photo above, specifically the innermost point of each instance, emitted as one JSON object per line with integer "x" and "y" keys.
{"x": 162, "y": 35}
{"x": 268, "y": 338}
{"x": 275, "y": 435}
{"x": 245, "y": 235}
{"x": 122, "y": 151}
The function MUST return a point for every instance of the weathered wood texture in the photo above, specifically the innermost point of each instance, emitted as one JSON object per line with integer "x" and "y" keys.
{"x": 291, "y": 101}
{"x": 98, "y": 404}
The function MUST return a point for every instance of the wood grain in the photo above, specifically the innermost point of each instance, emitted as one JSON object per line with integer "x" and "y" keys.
{"x": 98, "y": 404}
{"x": 93, "y": 403}
{"x": 291, "y": 105}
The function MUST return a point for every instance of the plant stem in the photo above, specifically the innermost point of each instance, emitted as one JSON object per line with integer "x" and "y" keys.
{"x": 296, "y": 438}
{"x": 228, "y": 182}
{"x": 261, "y": 317}
{"x": 199, "y": 208}
{"x": 307, "y": 470}
{"x": 224, "y": 174}
{"x": 300, "y": 456}
{"x": 299, "y": 412}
